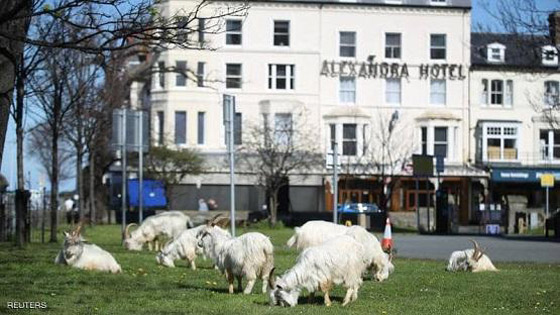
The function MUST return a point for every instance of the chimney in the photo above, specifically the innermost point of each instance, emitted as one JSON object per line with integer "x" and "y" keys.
{"x": 554, "y": 27}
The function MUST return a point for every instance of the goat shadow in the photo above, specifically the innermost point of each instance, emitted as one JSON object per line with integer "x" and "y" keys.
{"x": 318, "y": 299}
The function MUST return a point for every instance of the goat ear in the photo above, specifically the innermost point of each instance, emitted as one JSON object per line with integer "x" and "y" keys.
{"x": 65, "y": 233}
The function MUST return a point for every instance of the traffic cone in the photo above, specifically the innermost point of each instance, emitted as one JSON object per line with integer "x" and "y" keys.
{"x": 387, "y": 242}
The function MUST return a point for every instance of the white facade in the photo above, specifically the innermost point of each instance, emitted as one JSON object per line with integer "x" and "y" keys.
{"x": 355, "y": 102}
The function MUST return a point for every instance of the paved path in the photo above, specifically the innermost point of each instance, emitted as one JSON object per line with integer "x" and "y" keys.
{"x": 498, "y": 248}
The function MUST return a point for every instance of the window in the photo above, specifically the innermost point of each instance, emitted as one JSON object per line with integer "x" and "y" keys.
{"x": 160, "y": 125}
{"x": 550, "y": 145}
{"x": 497, "y": 92}
{"x": 438, "y": 1}
{"x": 281, "y": 77}
{"x": 180, "y": 127}
{"x": 393, "y": 45}
{"x": 509, "y": 93}
{"x": 201, "y": 121}
{"x": 549, "y": 56}
{"x": 283, "y": 128}
{"x": 551, "y": 95}
{"x": 424, "y": 139}
{"x": 233, "y": 32}
{"x": 437, "y": 92}
{"x": 437, "y": 46}
{"x": 501, "y": 142}
{"x": 281, "y": 33}
{"x": 161, "y": 74}
{"x": 393, "y": 91}
{"x": 440, "y": 141}
{"x": 347, "y": 44}
{"x": 237, "y": 128}
{"x": 201, "y": 30}
{"x": 347, "y": 90}
{"x": 333, "y": 135}
{"x": 200, "y": 74}
{"x": 233, "y": 76}
{"x": 484, "y": 92}
{"x": 496, "y": 52}
{"x": 182, "y": 29}
{"x": 181, "y": 77}
{"x": 349, "y": 140}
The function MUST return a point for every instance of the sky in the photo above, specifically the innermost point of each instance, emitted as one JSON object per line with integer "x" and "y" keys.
{"x": 34, "y": 171}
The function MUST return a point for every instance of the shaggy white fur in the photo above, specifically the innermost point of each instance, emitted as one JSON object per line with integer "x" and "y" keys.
{"x": 340, "y": 260}
{"x": 169, "y": 224}
{"x": 465, "y": 260}
{"x": 249, "y": 255}
{"x": 185, "y": 246}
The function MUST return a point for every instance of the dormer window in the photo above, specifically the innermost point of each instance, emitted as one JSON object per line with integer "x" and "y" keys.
{"x": 496, "y": 52}
{"x": 438, "y": 2}
{"x": 549, "y": 56}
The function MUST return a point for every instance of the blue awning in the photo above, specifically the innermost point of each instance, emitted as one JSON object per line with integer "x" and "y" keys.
{"x": 522, "y": 175}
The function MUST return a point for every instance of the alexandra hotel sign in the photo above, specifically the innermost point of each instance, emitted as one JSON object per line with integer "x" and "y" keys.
{"x": 370, "y": 69}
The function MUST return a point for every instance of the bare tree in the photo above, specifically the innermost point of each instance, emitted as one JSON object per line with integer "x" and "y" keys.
{"x": 39, "y": 139}
{"x": 389, "y": 149}
{"x": 275, "y": 152}
{"x": 172, "y": 166}
{"x": 111, "y": 22}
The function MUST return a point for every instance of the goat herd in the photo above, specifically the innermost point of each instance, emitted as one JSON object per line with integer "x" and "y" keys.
{"x": 331, "y": 254}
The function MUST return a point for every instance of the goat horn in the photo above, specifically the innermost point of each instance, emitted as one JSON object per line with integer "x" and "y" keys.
{"x": 213, "y": 220}
{"x": 271, "y": 280}
{"x": 127, "y": 230}
{"x": 79, "y": 228}
{"x": 477, "y": 252}
{"x": 222, "y": 222}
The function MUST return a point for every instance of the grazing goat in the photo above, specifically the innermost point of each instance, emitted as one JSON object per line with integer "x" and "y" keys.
{"x": 379, "y": 262}
{"x": 76, "y": 253}
{"x": 169, "y": 224}
{"x": 340, "y": 260}
{"x": 473, "y": 260}
{"x": 315, "y": 233}
{"x": 249, "y": 255}
{"x": 185, "y": 246}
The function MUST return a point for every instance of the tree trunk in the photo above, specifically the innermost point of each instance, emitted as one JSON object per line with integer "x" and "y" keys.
{"x": 80, "y": 180}
{"x": 273, "y": 199}
{"x": 20, "y": 202}
{"x": 10, "y": 52}
{"x": 57, "y": 107}
{"x": 91, "y": 190}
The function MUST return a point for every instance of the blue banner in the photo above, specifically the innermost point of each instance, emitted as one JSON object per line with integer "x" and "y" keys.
{"x": 522, "y": 175}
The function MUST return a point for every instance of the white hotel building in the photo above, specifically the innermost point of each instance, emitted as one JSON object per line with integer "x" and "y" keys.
{"x": 349, "y": 65}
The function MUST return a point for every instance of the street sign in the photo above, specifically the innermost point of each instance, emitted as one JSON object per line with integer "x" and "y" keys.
{"x": 330, "y": 159}
{"x": 547, "y": 180}
{"x": 423, "y": 165}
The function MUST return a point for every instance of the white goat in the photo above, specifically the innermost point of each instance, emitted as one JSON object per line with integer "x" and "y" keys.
{"x": 169, "y": 224}
{"x": 379, "y": 262}
{"x": 80, "y": 255}
{"x": 185, "y": 246}
{"x": 314, "y": 233}
{"x": 340, "y": 260}
{"x": 249, "y": 255}
{"x": 473, "y": 260}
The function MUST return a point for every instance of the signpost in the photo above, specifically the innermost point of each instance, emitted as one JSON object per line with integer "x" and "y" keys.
{"x": 547, "y": 181}
{"x": 228, "y": 120}
{"x": 332, "y": 160}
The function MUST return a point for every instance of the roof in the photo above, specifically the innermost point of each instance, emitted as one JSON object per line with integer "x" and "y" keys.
{"x": 462, "y": 4}
{"x": 522, "y": 51}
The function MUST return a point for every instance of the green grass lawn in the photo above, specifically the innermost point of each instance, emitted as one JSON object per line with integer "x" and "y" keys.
{"x": 416, "y": 287}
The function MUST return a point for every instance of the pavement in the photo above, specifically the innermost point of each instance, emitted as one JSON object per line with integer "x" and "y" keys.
{"x": 500, "y": 249}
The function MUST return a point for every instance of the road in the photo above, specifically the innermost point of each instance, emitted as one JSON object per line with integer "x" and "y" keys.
{"x": 498, "y": 248}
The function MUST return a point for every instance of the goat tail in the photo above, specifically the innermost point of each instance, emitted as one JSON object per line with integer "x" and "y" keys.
{"x": 293, "y": 240}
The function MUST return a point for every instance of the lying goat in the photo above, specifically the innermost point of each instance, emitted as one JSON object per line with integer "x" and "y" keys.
{"x": 185, "y": 246}
{"x": 76, "y": 253}
{"x": 249, "y": 255}
{"x": 314, "y": 233}
{"x": 473, "y": 260}
{"x": 169, "y": 224}
{"x": 340, "y": 260}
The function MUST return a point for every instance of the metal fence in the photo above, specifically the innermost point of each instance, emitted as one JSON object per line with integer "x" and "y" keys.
{"x": 38, "y": 218}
